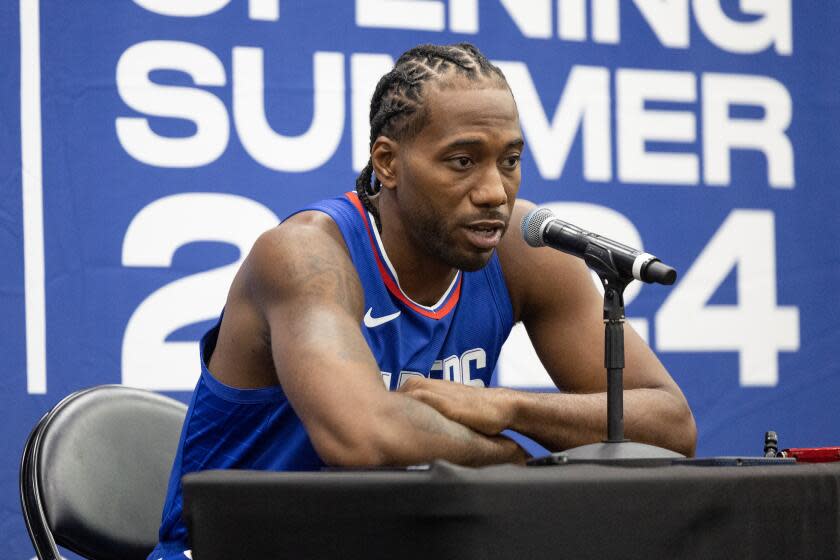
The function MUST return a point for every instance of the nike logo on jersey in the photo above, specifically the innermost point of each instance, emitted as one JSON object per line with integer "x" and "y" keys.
{"x": 371, "y": 321}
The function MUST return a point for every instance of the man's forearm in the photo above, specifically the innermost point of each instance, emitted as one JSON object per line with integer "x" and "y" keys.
{"x": 418, "y": 433}
{"x": 562, "y": 420}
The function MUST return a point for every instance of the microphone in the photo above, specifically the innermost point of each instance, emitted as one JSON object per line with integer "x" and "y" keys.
{"x": 542, "y": 227}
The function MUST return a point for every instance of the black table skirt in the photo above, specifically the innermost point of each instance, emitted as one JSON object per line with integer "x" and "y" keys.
{"x": 570, "y": 511}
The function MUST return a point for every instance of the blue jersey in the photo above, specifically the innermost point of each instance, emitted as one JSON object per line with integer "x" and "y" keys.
{"x": 457, "y": 339}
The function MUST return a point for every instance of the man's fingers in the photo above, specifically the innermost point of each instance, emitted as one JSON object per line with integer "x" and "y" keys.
{"x": 460, "y": 403}
{"x": 412, "y": 383}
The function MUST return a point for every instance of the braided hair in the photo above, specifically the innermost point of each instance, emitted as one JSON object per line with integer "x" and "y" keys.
{"x": 396, "y": 108}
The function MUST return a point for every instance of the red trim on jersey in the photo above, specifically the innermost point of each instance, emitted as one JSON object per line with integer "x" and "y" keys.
{"x": 386, "y": 276}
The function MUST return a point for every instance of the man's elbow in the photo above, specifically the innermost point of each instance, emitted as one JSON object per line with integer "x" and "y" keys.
{"x": 343, "y": 450}
{"x": 354, "y": 457}
{"x": 671, "y": 424}
{"x": 686, "y": 432}
{"x": 678, "y": 430}
{"x": 367, "y": 444}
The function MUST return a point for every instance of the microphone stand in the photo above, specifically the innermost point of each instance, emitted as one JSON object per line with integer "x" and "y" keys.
{"x": 615, "y": 449}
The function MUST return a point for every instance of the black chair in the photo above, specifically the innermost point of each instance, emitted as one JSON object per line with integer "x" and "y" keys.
{"x": 94, "y": 472}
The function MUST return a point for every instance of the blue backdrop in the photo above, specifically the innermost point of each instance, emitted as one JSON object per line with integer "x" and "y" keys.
{"x": 146, "y": 143}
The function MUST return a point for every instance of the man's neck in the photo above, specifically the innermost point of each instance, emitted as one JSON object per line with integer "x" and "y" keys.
{"x": 422, "y": 277}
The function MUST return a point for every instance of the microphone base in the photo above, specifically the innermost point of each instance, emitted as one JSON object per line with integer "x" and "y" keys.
{"x": 621, "y": 453}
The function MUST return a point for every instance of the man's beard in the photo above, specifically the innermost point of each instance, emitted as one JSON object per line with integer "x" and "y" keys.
{"x": 429, "y": 231}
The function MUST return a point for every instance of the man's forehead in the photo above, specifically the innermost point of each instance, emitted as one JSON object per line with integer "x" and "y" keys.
{"x": 451, "y": 113}
{"x": 460, "y": 88}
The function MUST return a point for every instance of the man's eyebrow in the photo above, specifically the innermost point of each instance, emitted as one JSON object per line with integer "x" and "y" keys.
{"x": 466, "y": 142}
{"x": 463, "y": 143}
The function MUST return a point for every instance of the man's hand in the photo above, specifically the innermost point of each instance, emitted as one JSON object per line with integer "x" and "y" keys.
{"x": 488, "y": 411}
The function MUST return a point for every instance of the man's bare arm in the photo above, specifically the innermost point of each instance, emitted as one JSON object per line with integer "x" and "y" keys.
{"x": 655, "y": 410}
{"x": 566, "y": 329}
{"x": 558, "y": 421}
{"x": 300, "y": 278}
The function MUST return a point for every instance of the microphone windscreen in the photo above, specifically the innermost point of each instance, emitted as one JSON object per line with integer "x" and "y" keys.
{"x": 660, "y": 273}
{"x": 532, "y": 225}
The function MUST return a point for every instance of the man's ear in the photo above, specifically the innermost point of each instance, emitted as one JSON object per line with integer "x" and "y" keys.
{"x": 384, "y": 155}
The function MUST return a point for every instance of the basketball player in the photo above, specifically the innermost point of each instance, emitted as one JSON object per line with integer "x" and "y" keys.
{"x": 363, "y": 331}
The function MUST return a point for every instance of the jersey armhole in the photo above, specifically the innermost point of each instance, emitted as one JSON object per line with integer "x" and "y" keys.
{"x": 341, "y": 212}
{"x": 499, "y": 290}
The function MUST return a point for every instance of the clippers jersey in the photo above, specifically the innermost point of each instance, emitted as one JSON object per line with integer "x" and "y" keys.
{"x": 457, "y": 339}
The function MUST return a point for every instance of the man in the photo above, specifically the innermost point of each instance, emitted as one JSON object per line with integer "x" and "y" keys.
{"x": 413, "y": 276}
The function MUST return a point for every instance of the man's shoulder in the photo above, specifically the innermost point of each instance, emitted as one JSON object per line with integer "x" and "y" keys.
{"x": 304, "y": 245}
{"x": 536, "y": 277}
{"x": 514, "y": 257}
{"x": 303, "y": 233}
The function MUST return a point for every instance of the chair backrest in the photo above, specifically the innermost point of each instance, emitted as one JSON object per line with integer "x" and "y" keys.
{"x": 95, "y": 469}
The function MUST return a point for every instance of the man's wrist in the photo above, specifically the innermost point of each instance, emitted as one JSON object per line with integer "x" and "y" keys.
{"x": 513, "y": 452}
{"x": 509, "y": 405}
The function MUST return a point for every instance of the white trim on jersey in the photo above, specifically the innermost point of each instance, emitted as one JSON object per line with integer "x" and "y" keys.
{"x": 396, "y": 278}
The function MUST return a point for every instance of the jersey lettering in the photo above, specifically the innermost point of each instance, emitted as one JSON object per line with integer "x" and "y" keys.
{"x": 459, "y": 369}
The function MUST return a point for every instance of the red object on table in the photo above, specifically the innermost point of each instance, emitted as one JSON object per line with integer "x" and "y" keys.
{"x": 813, "y": 454}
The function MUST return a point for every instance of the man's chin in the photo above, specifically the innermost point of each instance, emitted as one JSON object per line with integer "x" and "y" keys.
{"x": 474, "y": 262}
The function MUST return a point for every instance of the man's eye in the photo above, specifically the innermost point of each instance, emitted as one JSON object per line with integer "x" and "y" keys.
{"x": 511, "y": 161}
{"x": 461, "y": 162}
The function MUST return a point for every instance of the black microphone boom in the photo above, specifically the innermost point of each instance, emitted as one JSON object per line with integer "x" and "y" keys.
{"x": 541, "y": 227}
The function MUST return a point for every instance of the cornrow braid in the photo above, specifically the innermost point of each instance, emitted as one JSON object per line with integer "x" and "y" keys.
{"x": 396, "y": 107}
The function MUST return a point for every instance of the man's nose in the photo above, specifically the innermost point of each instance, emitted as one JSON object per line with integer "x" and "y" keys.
{"x": 490, "y": 192}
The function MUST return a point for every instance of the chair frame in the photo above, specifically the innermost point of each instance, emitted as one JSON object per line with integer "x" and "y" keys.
{"x": 31, "y": 497}
{"x": 31, "y": 502}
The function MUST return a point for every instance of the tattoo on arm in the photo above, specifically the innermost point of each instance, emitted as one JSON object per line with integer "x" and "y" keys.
{"x": 354, "y": 354}
{"x": 321, "y": 277}
{"x": 324, "y": 279}
{"x": 425, "y": 418}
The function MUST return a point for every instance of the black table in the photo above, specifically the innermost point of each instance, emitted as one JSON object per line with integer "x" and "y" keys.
{"x": 570, "y": 511}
